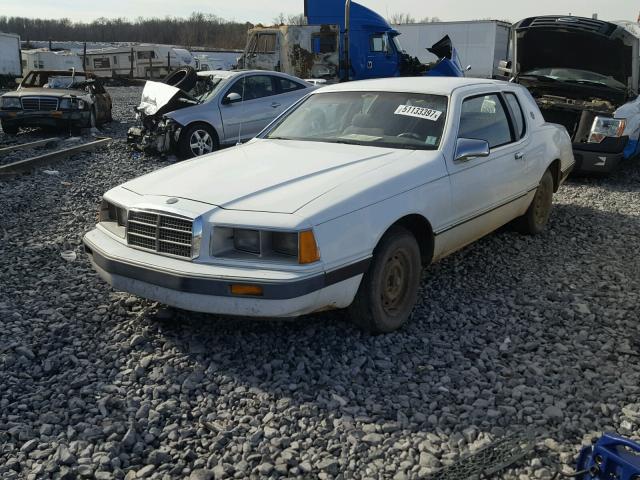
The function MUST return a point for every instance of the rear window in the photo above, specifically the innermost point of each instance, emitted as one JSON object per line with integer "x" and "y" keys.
{"x": 287, "y": 86}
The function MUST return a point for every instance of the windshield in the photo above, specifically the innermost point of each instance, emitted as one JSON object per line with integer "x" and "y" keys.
{"x": 206, "y": 87}
{"x": 395, "y": 120}
{"x": 58, "y": 80}
{"x": 572, "y": 75}
{"x": 396, "y": 42}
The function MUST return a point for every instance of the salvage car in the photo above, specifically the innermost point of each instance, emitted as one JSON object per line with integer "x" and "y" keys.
{"x": 55, "y": 98}
{"x": 219, "y": 108}
{"x": 584, "y": 75}
{"x": 339, "y": 203}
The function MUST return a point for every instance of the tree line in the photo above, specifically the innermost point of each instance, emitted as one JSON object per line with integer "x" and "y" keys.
{"x": 199, "y": 29}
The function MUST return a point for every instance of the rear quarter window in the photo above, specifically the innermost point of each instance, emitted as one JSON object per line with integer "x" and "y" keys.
{"x": 517, "y": 114}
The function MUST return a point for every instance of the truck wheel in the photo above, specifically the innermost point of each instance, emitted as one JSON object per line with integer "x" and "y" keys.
{"x": 10, "y": 129}
{"x": 389, "y": 288}
{"x": 196, "y": 140}
{"x": 535, "y": 219}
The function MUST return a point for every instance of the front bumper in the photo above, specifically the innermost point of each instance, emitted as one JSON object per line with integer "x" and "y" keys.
{"x": 601, "y": 157}
{"x": 207, "y": 288}
{"x": 159, "y": 140}
{"x": 53, "y": 118}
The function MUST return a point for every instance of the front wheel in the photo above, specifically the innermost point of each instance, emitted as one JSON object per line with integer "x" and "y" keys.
{"x": 197, "y": 140}
{"x": 537, "y": 215}
{"x": 389, "y": 289}
{"x": 10, "y": 129}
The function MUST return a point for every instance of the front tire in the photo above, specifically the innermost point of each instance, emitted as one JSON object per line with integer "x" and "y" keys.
{"x": 389, "y": 289}
{"x": 10, "y": 129}
{"x": 197, "y": 140}
{"x": 535, "y": 220}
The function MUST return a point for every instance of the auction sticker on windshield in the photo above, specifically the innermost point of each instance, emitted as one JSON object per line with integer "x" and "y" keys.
{"x": 418, "y": 112}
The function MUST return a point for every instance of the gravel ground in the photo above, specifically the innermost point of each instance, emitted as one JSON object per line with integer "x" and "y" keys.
{"x": 510, "y": 333}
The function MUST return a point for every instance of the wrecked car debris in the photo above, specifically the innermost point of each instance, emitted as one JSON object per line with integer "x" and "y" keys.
{"x": 221, "y": 108}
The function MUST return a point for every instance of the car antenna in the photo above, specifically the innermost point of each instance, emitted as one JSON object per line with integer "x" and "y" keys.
{"x": 241, "y": 104}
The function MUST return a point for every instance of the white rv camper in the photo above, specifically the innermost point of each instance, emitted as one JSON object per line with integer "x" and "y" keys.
{"x": 482, "y": 44}
{"x": 148, "y": 61}
{"x": 10, "y": 66}
{"x": 45, "y": 59}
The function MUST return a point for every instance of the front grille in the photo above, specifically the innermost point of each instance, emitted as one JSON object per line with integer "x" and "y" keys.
{"x": 160, "y": 233}
{"x": 39, "y": 103}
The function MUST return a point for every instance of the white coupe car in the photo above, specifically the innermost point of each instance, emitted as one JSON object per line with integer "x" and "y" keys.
{"x": 339, "y": 203}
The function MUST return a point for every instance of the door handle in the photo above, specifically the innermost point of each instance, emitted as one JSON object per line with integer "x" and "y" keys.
{"x": 275, "y": 104}
{"x": 519, "y": 156}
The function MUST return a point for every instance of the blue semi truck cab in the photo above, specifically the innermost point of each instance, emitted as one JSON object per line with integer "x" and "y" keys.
{"x": 342, "y": 41}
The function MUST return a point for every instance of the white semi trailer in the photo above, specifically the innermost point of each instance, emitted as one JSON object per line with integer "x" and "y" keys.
{"x": 10, "y": 64}
{"x": 482, "y": 44}
{"x": 45, "y": 59}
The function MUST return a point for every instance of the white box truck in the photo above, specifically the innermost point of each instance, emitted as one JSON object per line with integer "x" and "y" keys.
{"x": 482, "y": 44}
{"x": 10, "y": 63}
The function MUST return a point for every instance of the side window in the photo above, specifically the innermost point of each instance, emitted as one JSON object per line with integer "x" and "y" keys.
{"x": 376, "y": 43}
{"x": 251, "y": 88}
{"x": 324, "y": 42}
{"x": 484, "y": 118}
{"x": 287, "y": 86}
{"x": 266, "y": 43}
{"x": 518, "y": 116}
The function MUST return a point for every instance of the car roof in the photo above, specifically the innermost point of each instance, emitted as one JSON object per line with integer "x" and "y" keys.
{"x": 428, "y": 85}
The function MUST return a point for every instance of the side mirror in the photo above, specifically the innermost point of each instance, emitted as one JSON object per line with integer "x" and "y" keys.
{"x": 504, "y": 66}
{"x": 469, "y": 148}
{"x": 232, "y": 98}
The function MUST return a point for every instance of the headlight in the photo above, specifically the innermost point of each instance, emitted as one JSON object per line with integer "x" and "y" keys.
{"x": 606, "y": 127}
{"x": 276, "y": 246}
{"x": 71, "y": 104}
{"x": 113, "y": 218}
{"x": 247, "y": 241}
{"x": 11, "y": 102}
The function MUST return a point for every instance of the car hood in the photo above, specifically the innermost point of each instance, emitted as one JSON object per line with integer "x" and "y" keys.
{"x": 578, "y": 43}
{"x": 159, "y": 98}
{"x": 46, "y": 92}
{"x": 277, "y": 176}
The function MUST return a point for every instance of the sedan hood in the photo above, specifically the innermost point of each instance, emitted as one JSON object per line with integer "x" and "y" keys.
{"x": 47, "y": 92}
{"x": 578, "y": 43}
{"x": 159, "y": 98}
{"x": 277, "y": 176}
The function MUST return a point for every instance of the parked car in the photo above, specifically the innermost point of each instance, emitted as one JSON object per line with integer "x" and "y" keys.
{"x": 55, "y": 98}
{"x": 584, "y": 74}
{"x": 219, "y": 108}
{"x": 339, "y": 203}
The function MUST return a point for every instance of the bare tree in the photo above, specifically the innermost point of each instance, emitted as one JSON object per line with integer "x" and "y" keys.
{"x": 401, "y": 18}
{"x": 282, "y": 19}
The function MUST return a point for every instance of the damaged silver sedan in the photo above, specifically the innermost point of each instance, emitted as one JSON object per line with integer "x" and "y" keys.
{"x": 211, "y": 109}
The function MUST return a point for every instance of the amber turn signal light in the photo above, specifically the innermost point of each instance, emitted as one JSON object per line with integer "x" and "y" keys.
{"x": 246, "y": 290}
{"x": 307, "y": 248}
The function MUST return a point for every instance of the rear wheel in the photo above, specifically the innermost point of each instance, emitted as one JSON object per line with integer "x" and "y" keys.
{"x": 535, "y": 220}
{"x": 389, "y": 289}
{"x": 10, "y": 129}
{"x": 197, "y": 140}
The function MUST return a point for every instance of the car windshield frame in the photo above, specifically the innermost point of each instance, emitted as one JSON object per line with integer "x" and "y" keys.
{"x": 544, "y": 73}
{"x": 273, "y": 132}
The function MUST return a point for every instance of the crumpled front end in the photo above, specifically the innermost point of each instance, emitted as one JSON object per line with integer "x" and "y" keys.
{"x": 158, "y": 133}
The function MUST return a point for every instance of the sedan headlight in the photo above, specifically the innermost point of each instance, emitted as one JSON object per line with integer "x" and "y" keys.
{"x": 71, "y": 104}
{"x": 271, "y": 245}
{"x": 606, "y": 127}
{"x": 11, "y": 103}
{"x": 113, "y": 218}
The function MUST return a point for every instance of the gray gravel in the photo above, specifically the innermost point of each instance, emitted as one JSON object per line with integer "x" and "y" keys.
{"x": 510, "y": 333}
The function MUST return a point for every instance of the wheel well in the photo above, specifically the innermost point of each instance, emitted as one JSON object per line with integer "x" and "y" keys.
{"x": 421, "y": 229}
{"x": 555, "y": 172}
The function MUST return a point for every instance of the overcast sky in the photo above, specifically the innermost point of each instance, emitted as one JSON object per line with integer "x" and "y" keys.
{"x": 256, "y": 11}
